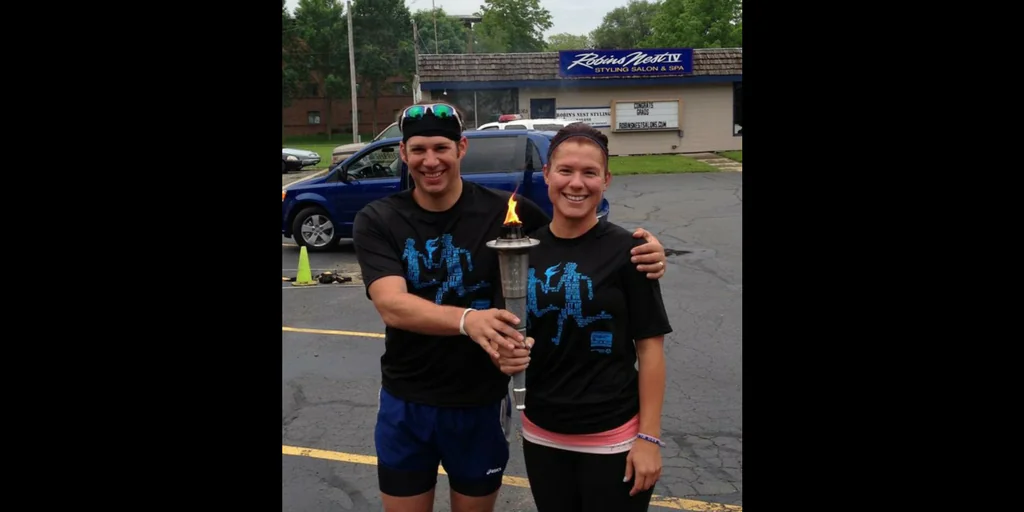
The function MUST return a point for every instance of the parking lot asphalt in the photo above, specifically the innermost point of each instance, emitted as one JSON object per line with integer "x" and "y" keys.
{"x": 333, "y": 343}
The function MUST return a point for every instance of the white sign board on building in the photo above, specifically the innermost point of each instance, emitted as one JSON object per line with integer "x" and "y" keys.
{"x": 645, "y": 116}
{"x": 596, "y": 117}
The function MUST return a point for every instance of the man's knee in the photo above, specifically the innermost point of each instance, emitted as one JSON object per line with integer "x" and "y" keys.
{"x": 419, "y": 503}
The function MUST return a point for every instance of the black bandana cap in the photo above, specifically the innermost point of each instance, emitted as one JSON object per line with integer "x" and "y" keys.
{"x": 431, "y": 126}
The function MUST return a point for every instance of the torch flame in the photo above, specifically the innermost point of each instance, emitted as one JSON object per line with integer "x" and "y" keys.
{"x": 511, "y": 217}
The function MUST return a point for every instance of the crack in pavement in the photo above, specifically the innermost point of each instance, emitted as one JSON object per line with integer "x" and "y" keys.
{"x": 350, "y": 490}
{"x": 299, "y": 397}
{"x": 689, "y": 451}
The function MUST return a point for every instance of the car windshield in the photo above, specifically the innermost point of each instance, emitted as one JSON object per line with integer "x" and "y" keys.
{"x": 391, "y": 131}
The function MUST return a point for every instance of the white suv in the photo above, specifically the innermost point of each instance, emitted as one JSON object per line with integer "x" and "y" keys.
{"x": 543, "y": 125}
{"x": 346, "y": 150}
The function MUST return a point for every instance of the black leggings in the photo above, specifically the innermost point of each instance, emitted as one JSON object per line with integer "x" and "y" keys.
{"x": 565, "y": 481}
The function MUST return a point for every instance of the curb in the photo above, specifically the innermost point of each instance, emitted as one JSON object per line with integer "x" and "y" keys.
{"x": 300, "y": 180}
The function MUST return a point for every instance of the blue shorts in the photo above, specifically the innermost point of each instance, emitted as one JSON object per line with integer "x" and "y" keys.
{"x": 412, "y": 439}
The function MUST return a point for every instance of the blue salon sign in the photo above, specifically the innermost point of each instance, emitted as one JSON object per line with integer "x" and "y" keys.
{"x": 648, "y": 61}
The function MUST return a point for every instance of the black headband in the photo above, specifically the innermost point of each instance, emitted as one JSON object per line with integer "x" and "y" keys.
{"x": 430, "y": 126}
{"x": 604, "y": 149}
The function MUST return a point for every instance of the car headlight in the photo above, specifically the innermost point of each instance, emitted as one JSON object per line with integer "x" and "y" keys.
{"x": 291, "y": 158}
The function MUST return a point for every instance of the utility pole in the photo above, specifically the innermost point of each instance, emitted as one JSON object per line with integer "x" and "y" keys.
{"x": 433, "y": 12}
{"x": 416, "y": 63}
{"x": 352, "y": 75}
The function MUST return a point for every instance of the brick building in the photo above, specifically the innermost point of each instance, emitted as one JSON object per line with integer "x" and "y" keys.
{"x": 308, "y": 115}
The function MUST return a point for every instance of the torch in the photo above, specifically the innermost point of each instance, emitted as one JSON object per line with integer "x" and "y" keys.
{"x": 513, "y": 248}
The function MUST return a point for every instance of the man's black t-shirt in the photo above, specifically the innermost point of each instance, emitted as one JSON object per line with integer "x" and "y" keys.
{"x": 587, "y": 304}
{"x": 444, "y": 259}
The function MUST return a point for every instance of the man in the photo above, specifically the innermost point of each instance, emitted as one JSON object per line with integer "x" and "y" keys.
{"x": 432, "y": 279}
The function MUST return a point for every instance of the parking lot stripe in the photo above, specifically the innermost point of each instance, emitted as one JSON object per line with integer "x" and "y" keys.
{"x": 514, "y": 481}
{"x": 333, "y": 332}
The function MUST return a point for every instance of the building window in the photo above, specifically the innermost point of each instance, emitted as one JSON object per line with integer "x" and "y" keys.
{"x": 402, "y": 89}
{"x": 486, "y": 107}
{"x": 737, "y": 109}
{"x": 312, "y": 90}
{"x": 313, "y": 117}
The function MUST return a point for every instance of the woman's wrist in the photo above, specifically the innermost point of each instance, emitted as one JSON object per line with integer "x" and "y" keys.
{"x": 650, "y": 439}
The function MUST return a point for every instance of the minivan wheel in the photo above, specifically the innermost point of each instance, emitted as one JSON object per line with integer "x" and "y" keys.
{"x": 314, "y": 229}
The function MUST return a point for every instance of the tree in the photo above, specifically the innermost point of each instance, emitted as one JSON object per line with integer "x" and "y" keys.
{"x": 322, "y": 26}
{"x": 294, "y": 69}
{"x": 383, "y": 40}
{"x": 698, "y": 24}
{"x": 452, "y": 36}
{"x": 567, "y": 41}
{"x": 626, "y": 27}
{"x": 512, "y": 26}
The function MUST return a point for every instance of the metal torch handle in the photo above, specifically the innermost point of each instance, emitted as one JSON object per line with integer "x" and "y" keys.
{"x": 519, "y": 383}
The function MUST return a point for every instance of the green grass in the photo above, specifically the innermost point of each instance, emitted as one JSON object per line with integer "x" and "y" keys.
{"x": 656, "y": 164}
{"x": 732, "y": 155}
{"x": 322, "y": 145}
{"x": 620, "y": 165}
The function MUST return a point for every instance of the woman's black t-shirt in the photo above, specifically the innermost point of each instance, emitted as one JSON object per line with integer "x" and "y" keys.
{"x": 586, "y": 306}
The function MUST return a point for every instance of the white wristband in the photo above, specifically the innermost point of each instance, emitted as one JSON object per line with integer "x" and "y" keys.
{"x": 462, "y": 322}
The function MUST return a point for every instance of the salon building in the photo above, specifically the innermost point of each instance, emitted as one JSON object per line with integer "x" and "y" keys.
{"x": 648, "y": 101}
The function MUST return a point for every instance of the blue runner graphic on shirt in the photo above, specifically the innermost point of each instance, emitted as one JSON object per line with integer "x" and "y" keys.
{"x": 412, "y": 259}
{"x": 571, "y": 282}
{"x": 531, "y": 296}
{"x": 450, "y": 260}
{"x": 431, "y": 247}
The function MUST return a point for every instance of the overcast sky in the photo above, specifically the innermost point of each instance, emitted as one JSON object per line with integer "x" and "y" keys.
{"x": 575, "y": 17}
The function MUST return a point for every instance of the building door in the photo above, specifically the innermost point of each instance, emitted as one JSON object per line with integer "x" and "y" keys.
{"x": 542, "y": 108}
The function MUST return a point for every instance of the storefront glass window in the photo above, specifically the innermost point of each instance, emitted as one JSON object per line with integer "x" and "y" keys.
{"x": 490, "y": 104}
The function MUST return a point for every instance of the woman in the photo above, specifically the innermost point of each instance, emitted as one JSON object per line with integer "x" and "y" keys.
{"x": 592, "y": 422}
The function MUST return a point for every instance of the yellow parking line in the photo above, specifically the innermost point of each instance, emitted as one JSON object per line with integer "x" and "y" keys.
{"x": 333, "y": 332}
{"x": 514, "y": 481}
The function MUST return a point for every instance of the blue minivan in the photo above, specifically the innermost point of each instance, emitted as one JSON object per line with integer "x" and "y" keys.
{"x": 318, "y": 213}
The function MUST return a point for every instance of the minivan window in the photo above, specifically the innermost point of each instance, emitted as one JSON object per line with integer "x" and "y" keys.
{"x": 490, "y": 154}
{"x": 515, "y": 126}
{"x": 548, "y": 127}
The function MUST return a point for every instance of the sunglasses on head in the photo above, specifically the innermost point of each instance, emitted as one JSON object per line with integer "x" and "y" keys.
{"x": 440, "y": 111}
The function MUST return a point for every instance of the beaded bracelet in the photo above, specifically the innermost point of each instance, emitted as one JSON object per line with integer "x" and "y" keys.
{"x": 651, "y": 439}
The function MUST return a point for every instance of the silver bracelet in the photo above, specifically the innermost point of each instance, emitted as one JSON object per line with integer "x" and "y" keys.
{"x": 462, "y": 322}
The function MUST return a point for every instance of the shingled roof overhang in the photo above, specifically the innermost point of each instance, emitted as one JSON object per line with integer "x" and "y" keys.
{"x": 506, "y": 70}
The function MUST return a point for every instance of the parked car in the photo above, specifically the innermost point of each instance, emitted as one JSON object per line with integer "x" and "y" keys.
{"x": 319, "y": 212}
{"x": 528, "y": 124}
{"x": 294, "y": 159}
{"x": 346, "y": 150}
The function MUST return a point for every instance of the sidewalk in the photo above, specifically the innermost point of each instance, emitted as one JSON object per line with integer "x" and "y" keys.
{"x": 722, "y": 163}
